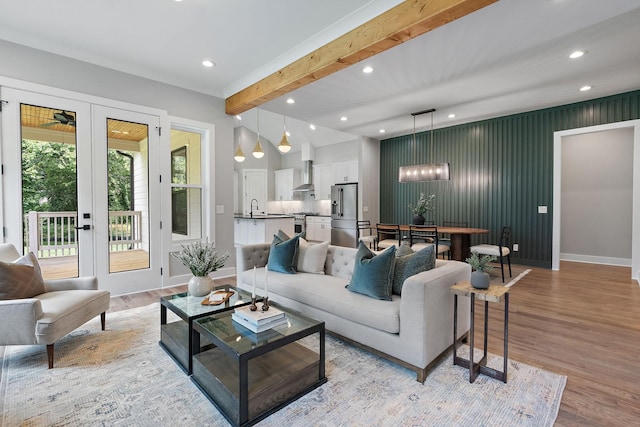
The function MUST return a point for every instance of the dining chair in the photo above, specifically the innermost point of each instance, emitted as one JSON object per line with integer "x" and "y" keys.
{"x": 365, "y": 233}
{"x": 445, "y": 238}
{"x": 388, "y": 235}
{"x": 500, "y": 250}
{"x": 421, "y": 236}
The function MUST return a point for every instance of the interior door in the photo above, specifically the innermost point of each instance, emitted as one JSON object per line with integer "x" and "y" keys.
{"x": 47, "y": 181}
{"x": 127, "y": 233}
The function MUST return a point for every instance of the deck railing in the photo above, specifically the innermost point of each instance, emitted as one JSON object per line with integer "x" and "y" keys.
{"x": 54, "y": 234}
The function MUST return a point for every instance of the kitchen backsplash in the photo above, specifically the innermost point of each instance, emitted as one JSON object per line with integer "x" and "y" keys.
{"x": 320, "y": 207}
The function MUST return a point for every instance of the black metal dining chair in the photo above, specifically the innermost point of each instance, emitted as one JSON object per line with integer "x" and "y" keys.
{"x": 388, "y": 235}
{"x": 421, "y": 236}
{"x": 500, "y": 250}
{"x": 365, "y": 233}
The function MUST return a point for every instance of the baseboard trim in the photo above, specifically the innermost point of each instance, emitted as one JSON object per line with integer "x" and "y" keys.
{"x": 590, "y": 259}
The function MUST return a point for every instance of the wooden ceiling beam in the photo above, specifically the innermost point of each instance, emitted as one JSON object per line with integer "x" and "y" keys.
{"x": 404, "y": 22}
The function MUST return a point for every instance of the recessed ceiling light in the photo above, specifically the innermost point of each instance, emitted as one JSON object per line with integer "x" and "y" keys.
{"x": 343, "y": 119}
{"x": 382, "y": 131}
{"x": 577, "y": 54}
{"x": 239, "y": 117}
{"x": 291, "y": 101}
{"x": 585, "y": 88}
{"x": 312, "y": 127}
{"x": 451, "y": 116}
{"x": 207, "y": 63}
{"x": 368, "y": 69}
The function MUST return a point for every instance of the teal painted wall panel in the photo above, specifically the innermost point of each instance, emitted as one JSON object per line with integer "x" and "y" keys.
{"x": 501, "y": 171}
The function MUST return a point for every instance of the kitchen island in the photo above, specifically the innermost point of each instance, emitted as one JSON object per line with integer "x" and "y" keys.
{"x": 260, "y": 228}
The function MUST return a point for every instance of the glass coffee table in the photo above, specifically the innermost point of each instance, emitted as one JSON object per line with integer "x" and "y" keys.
{"x": 177, "y": 338}
{"x": 248, "y": 376}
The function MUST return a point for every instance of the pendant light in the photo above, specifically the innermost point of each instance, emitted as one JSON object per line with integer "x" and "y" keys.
{"x": 426, "y": 172}
{"x": 258, "y": 152}
{"x": 284, "y": 145}
{"x": 239, "y": 155}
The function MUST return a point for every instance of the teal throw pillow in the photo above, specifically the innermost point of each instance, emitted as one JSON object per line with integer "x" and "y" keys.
{"x": 283, "y": 255}
{"x": 284, "y": 236}
{"x": 373, "y": 274}
{"x": 408, "y": 265}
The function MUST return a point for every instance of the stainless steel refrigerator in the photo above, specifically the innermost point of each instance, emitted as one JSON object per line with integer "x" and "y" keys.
{"x": 344, "y": 215}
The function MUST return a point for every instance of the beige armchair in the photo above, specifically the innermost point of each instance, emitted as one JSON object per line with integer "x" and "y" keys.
{"x": 57, "y": 308}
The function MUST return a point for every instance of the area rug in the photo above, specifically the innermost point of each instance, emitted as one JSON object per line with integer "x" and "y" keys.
{"x": 121, "y": 377}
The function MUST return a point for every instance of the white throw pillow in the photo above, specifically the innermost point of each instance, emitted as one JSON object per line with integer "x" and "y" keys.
{"x": 311, "y": 258}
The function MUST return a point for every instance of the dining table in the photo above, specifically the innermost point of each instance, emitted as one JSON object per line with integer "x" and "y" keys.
{"x": 460, "y": 239}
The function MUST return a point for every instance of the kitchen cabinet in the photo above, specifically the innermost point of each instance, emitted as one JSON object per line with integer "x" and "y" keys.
{"x": 345, "y": 172}
{"x": 285, "y": 181}
{"x": 323, "y": 179}
{"x": 318, "y": 228}
{"x": 247, "y": 230}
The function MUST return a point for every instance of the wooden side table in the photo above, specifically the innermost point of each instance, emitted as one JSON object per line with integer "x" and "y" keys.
{"x": 493, "y": 294}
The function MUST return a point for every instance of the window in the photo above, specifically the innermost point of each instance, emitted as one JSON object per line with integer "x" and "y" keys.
{"x": 186, "y": 188}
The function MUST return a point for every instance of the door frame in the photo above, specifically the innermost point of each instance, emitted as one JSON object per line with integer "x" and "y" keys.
{"x": 38, "y": 89}
{"x": 557, "y": 190}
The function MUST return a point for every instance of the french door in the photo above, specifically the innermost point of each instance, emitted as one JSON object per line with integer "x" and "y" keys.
{"x": 78, "y": 189}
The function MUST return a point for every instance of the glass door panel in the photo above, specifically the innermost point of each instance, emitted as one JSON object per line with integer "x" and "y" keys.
{"x": 49, "y": 189}
{"x": 128, "y": 195}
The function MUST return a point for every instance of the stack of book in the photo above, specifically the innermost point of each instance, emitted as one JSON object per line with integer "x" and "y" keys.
{"x": 258, "y": 321}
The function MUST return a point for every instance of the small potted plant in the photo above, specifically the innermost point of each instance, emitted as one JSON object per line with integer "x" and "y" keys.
{"x": 424, "y": 205}
{"x": 480, "y": 265}
{"x": 201, "y": 258}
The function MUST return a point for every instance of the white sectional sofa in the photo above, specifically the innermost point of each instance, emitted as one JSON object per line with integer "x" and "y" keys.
{"x": 413, "y": 329}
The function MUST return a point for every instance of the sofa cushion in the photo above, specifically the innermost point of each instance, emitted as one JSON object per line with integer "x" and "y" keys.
{"x": 373, "y": 274}
{"x": 311, "y": 258}
{"x": 328, "y": 293}
{"x": 283, "y": 255}
{"x": 409, "y": 265}
{"x": 21, "y": 278}
{"x": 340, "y": 262}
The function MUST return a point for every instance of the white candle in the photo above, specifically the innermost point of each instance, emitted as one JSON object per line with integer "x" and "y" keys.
{"x": 253, "y": 294}
{"x": 266, "y": 279}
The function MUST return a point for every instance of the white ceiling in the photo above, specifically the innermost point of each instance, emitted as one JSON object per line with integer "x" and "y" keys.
{"x": 509, "y": 57}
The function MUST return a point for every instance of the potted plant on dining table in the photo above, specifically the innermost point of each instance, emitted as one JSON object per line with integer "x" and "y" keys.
{"x": 424, "y": 205}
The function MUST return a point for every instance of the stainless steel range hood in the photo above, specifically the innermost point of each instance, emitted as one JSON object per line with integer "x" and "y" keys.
{"x": 307, "y": 178}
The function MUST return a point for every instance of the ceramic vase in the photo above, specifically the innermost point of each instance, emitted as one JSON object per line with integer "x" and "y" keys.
{"x": 418, "y": 220}
{"x": 200, "y": 286}
{"x": 480, "y": 279}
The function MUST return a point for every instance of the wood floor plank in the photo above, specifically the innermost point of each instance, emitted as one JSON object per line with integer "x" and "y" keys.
{"x": 582, "y": 321}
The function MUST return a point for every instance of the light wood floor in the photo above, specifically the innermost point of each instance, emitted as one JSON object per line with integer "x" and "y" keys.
{"x": 582, "y": 322}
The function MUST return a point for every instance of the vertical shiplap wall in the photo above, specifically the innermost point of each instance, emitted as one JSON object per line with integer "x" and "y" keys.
{"x": 501, "y": 171}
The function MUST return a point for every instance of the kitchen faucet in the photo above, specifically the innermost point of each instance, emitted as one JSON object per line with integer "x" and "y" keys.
{"x": 251, "y": 213}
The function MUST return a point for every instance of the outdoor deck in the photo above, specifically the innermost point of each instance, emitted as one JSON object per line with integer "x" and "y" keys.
{"x": 67, "y": 266}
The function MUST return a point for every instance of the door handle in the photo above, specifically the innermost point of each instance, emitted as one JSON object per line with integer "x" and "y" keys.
{"x": 84, "y": 227}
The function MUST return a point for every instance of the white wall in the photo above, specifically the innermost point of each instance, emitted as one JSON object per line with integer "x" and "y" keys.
{"x": 597, "y": 177}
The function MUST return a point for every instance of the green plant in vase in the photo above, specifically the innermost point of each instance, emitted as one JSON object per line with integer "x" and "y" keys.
{"x": 424, "y": 205}
{"x": 201, "y": 258}
{"x": 480, "y": 265}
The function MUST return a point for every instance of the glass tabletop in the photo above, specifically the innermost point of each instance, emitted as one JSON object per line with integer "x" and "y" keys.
{"x": 241, "y": 340}
{"x": 189, "y": 306}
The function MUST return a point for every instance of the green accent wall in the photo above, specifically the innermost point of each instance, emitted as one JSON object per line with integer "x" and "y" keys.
{"x": 501, "y": 171}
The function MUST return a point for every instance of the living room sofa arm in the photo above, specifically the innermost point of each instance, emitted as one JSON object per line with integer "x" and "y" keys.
{"x": 89, "y": 283}
{"x": 422, "y": 310}
{"x": 19, "y": 321}
{"x": 249, "y": 255}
